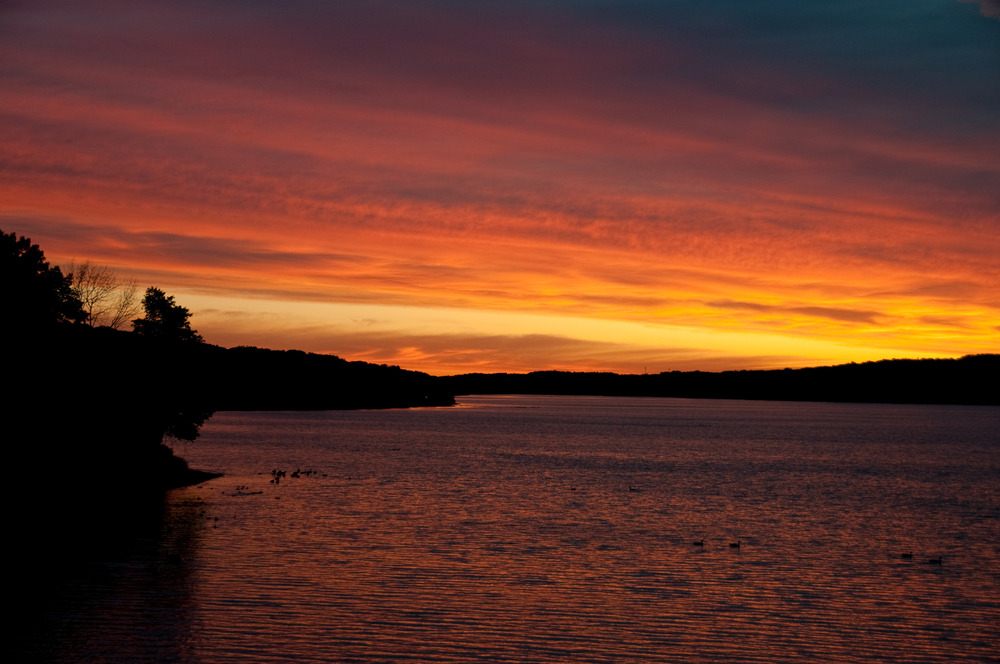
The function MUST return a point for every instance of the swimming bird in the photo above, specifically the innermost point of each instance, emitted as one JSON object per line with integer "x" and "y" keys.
{"x": 700, "y": 542}
{"x": 734, "y": 545}
{"x": 935, "y": 561}
{"x": 907, "y": 555}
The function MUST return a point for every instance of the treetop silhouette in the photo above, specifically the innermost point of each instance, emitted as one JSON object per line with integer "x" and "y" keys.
{"x": 165, "y": 320}
{"x": 33, "y": 294}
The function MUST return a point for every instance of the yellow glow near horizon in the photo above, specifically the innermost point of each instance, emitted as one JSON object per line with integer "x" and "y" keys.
{"x": 319, "y": 327}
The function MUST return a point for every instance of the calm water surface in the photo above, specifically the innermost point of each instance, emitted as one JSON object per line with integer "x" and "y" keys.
{"x": 561, "y": 529}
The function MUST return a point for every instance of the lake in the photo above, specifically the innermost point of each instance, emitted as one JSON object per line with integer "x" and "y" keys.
{"x": 562, "y": 529}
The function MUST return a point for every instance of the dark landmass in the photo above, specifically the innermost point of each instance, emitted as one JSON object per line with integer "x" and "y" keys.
{"x": 96, "y": 403}
{"x": 92, "y": 413}
{"x": 209, "y": 378}
{"x": 90, "y": 406}
{"x": 89, "y": 411}
{"x": 250, "y": 378}
{"x": 972, "y": 380}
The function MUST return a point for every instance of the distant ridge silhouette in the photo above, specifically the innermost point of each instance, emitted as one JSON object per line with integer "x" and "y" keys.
{"x": 927, "y": 381}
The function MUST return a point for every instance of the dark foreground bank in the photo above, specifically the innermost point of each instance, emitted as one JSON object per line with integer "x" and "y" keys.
{"x": 93, "y": 414}
{"x": 92, "y": 406}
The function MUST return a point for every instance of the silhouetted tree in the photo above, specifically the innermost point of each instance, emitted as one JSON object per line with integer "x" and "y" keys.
{"x": 107, "y": 300}
{"x": 165, "y": 320}
{"x": 33, "y": 294}
{"x": 186, "y": 424}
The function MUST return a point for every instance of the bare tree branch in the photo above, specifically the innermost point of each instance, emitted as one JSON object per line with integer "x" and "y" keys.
{"x": 126, "y": 306}
{"x": 107, "y": 300}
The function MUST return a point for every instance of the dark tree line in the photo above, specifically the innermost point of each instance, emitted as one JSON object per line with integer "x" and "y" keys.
{"x": 125, "y": 391}
{"x": 38, "y": 297}
{"x": 165, "y": 319}
{"x": 968, "y": 380}
{"x": 87, "y": 408}
{"x": 122, "y": 392}
{"x": 34, "y": 295}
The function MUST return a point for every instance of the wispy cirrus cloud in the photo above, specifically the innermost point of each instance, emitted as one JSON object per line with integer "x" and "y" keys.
{"x": 845, "y": 315}
{"x": 798, "y": 168}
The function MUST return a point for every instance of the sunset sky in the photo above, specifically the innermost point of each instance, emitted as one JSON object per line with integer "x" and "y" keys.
{"x": 516, "y": 185}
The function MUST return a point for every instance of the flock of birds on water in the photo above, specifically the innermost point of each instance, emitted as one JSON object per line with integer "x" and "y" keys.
{"x": 277, "y": 474}
{"x": 905, "y": 556}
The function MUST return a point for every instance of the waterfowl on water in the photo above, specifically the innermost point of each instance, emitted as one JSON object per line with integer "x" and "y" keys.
{"x": 935, "y": 561}
{"x": 700, "y": 542}
{"x": 907, "y": 555}
{"x": 734, "y": 545}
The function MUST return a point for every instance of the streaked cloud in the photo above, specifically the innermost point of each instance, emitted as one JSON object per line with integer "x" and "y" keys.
{"x": 848, "y": 315}
{"x": 821, "y": 172}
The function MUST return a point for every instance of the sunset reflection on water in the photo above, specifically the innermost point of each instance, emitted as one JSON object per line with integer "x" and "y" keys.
{"x": 564, "y": 531}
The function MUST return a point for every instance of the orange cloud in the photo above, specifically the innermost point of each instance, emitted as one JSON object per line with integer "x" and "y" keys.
{"x": 537, "y": 162}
